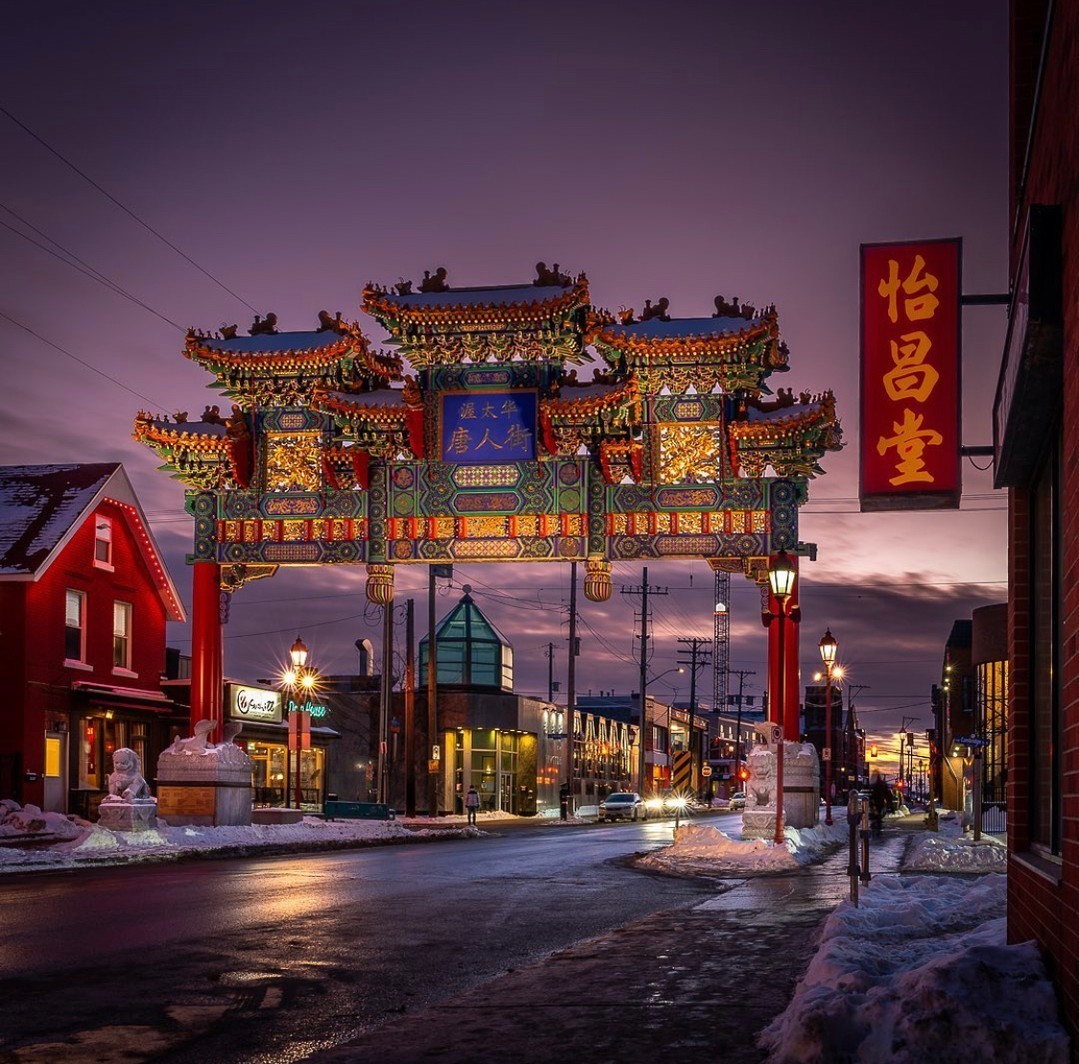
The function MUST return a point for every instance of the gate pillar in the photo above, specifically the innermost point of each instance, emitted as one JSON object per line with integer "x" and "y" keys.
{"x": 207, "y": 653}
{"x": 787, "y": 714}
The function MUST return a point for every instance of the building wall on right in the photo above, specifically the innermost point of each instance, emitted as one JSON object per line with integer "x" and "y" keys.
{"x": 1037, "y": 420}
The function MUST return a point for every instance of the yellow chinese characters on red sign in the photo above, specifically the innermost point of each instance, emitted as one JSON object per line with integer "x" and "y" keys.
{"x": 910, "y": 375}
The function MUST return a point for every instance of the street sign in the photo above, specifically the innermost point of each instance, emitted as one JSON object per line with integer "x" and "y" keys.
{"x": 826, "y": 754}
{"x": 971, "y": 740}
{"x": 706, "y": 771}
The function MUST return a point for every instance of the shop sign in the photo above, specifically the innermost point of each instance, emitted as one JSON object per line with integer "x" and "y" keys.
{"x": 910, "y": 389}
{"x": 254, "y": 704}
{"x": 313, "y": 709}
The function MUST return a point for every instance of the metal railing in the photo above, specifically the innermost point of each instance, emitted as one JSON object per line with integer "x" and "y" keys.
{"x": 995, "y": 817}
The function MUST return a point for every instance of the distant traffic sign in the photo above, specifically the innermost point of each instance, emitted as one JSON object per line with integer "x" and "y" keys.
{"x": 706, "y": 771}
{"x": 971, "y": 740}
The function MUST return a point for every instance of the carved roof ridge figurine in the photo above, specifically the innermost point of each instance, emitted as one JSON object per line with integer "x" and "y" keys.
{"x": 625, "y": 315}
{"x": 228, "y": 332}
{"x": 264, "y": 326}
{"x": 658, "y": 312}
{"x": 236, "y": 427}
{"x": 328, "y": 324}
{"x": 212, "y": 416}
{"x": 436, "y": 283}
{"x": 402, "y": 288}
{"x": 180, "y": 417}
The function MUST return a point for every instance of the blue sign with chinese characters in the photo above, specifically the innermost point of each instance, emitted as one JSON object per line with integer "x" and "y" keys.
{"x": 489, "y": 426}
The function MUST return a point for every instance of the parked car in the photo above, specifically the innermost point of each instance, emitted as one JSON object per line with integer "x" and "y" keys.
{"x": 622, "y": 805}
{"x": 737, "y": 801}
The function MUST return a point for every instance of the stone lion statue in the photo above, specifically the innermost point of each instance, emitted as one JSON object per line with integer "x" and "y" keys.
{"x": 126, "y": 783}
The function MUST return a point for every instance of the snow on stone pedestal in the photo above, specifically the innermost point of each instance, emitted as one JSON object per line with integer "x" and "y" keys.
{"x": 128, "y": 806}
{"x": 203, "y": 783}
{"x": 801, "y": 790}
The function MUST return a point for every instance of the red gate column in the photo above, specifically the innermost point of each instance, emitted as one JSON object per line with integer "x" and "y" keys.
{"x": 787, "y": 715}
{"x": 207, "y": 655}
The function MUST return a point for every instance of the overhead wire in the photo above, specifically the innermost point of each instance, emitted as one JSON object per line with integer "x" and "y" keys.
{"x": 81, "y": 361}
{"x": 127, "y": 210}
{"x": 82, "y": 266}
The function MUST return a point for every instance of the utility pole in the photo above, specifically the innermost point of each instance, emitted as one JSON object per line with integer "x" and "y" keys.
{"x": 643, "y": 590}
{"x": 433, "y": 762}
{"x": 741, "y": 674}
{"x": 550, "y": 672}
{"x": 410, "y": 711}
{"x": 696, "y": 649}
{"x": 386, "y": 693}
{"x": 571, "y": 687}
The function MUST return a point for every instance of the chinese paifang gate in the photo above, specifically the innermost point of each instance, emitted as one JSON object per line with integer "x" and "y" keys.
{"x": 492, "y": 448}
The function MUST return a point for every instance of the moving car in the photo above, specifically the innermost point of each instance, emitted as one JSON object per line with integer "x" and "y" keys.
{"x": 622, "y": 805}
{"x": 738, "y": 801}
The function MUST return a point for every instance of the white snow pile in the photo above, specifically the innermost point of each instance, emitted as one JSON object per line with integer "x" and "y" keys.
{"x": 951, "y": 850}
{"x": 91, "y": 844}
{"x": 700, "y": 848}
{"x": 28, "y": 823}
{"x": 921, "y": 971}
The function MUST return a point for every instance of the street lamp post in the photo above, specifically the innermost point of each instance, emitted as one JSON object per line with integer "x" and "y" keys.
{"x": 299, "y": 676}
{"x": 781, "y": 575}
{"x": 828, "y": 648}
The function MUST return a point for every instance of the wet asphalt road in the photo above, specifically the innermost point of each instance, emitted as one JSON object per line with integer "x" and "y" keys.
{"x": 271, "y": 959}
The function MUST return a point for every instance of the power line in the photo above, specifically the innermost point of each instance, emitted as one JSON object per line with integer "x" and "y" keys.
{"x": 81, "y": 361}
{"x": 80, "y": 265}
{"x": 127, "y": 210}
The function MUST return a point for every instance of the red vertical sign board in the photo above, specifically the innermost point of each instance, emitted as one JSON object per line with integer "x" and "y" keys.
{"x": 910, "y": 379}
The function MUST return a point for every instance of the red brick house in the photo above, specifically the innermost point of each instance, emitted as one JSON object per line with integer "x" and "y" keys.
{"x": 84, "y": 597}
{"x": 1036, "y": 430}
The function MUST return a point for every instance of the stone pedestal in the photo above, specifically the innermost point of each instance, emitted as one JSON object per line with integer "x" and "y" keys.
{"x": 119, "y": 815}
{"x": 202, "y": 783}
{"x": 801, "y": 790}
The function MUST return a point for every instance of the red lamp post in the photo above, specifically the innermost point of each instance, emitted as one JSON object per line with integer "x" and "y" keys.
{"x": 781, "y": 576}
{"x": 828, "y": 647}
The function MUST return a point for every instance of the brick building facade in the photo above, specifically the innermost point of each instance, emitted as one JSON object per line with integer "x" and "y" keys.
{"x": 1036, "y": 428}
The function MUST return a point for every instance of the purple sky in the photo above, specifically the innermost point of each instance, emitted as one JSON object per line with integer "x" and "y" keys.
{"x": 679, "y": 151}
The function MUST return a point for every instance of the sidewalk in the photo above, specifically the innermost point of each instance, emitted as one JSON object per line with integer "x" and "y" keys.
{"x": 692, "y": 985}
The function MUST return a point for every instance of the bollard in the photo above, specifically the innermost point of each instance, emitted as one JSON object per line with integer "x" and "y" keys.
{"x": 853, "y": 818}
{"x": 866, "y": 877}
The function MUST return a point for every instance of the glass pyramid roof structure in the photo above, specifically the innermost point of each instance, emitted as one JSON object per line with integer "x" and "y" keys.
{"x": 472, "y": 652}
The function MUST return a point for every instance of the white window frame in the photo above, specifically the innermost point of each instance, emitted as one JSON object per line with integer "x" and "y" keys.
{"x": 103, "y": 524}
{"x": 80, "y": 596}
{"x": 125, "y": 610}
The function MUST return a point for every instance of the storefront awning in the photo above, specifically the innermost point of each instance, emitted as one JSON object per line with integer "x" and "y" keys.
{"x": 112, "y": 695}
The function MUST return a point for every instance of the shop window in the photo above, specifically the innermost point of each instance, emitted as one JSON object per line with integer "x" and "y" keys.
{"x": 121, "y": 635}
{"x": 89, "y": 753}
{"x": 102, "y": 542}
{"x": 75, "y": 625}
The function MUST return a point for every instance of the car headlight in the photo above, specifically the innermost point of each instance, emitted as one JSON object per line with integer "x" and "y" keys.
{"x": 679, "y": 803}
{"x": 654, "y": 803}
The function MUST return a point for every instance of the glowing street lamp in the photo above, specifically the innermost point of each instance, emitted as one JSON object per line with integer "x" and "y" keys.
{"x": 828, "y": 647}
{"x": 299, "y": 678}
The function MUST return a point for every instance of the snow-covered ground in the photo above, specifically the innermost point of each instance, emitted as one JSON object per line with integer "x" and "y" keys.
{"x": 32, "y": 840}
{"x": 920, "y": 971}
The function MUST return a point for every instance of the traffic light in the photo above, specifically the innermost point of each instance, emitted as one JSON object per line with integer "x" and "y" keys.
{"x": 743, "y": 773}
{"x": 872, "y": 751}
{"x": 899, "y": 784}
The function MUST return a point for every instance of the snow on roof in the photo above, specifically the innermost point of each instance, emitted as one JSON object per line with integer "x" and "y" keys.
{"x": 654, "y": 329}
{"x": 494, "y": 295}
{"x": 38, "y": 505}
{"x": 753, "y": 414}
{"x": 265, "y": 344}
{"x": 377, "y": 397}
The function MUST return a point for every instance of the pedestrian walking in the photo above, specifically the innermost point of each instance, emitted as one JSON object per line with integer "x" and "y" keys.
{"x": 472, "y": 803}
{"x": 880, "y": 802}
